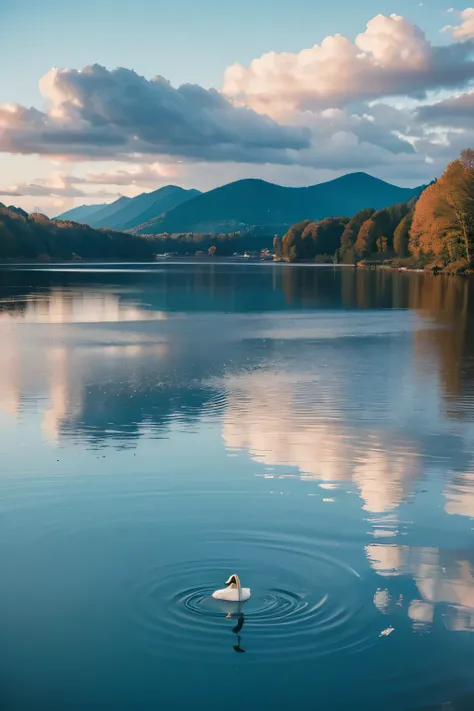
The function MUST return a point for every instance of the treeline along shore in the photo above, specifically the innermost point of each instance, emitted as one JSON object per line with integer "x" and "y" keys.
{"x": 434, "y": 230}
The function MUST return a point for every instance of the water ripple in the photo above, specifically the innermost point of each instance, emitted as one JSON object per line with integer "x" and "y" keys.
{"x": 323, "y": 614}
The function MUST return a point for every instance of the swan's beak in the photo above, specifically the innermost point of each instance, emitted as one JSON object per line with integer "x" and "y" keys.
{"x": 230, "y": 581}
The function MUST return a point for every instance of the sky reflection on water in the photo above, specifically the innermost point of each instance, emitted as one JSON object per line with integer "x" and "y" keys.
{"x": 324, "y": 417}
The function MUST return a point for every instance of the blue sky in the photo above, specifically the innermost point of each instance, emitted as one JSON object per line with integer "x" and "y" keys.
{"x": 196, "y": 42}
{"x": 184, "y": 40}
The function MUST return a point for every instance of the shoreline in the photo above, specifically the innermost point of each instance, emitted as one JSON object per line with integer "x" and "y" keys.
{"x": 459, "y": 268}
{"x": 454, "y": 269}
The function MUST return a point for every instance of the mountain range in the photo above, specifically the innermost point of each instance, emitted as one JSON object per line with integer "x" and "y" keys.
{"x": 242, "y": 206}
{"x": 126, "y": 213}
{"x": 80, "y": 213}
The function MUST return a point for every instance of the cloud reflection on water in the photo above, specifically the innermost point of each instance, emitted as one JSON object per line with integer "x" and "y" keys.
{"x": 443, "y": 577}
{"x": 325, "y": 393}
{"x": 354, "y": 388}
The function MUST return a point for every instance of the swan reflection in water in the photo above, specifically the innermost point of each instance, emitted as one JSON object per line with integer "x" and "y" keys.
{"x": 236, "y": 630}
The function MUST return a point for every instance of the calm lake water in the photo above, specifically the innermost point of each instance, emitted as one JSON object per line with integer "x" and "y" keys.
{"x": 164, "y": 426}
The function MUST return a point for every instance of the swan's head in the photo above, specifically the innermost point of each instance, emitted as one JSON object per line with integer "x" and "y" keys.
{"x": 234, "y": 581}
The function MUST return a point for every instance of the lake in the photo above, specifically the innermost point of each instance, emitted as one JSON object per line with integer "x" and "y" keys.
{"x": 308, "y": 428}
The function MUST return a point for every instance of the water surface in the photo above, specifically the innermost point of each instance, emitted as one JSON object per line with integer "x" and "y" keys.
{"x": 308, "y": 428}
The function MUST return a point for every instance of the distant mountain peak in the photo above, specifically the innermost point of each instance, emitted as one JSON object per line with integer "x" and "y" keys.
{"x": 241, "y": 205}
{"x": 252, "y": 202}
{"x": 126, "y": 213}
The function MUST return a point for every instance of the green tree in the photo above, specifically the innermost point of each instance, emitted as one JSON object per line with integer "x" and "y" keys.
{"x": 309, "y": 238}
{"x": 277, "y": 246}
{"x": 29, "y": 236}
{"x": 401, "y": 235}
{"x": 293, "y": 239}
{"x": 351, "y": 233}
{"x": 382, "y": 244}
{"x": 376, "y": 233}
{"x": 330, "y": 233}
{"x": 322, "y": 237}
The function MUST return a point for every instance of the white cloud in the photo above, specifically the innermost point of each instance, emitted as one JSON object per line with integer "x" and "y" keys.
{"x": 465, "y": 30}
{"x": 97, "y": 113}
{"x": 56, "y": 185}
{"x": 60, "y": 185}
{"x": 138, "y": 174}
{"x": 392, "y": 57}
{"x": 371, "y": 103}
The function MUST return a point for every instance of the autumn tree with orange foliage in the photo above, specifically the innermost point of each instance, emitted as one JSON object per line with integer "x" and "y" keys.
{"x": 377, "y": 233}
{"x": 443, "y": 221}
{"x": 437, "y": 227}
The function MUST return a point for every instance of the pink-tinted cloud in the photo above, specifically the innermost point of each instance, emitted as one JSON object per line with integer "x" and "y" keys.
{"x": 57, "y": 185}
{"x": 391, "y": 58}
{"x": 97, "y": 113}
{"x": 327, "y": 108}
{"x": 139, "y": 174}
{"x": 465, "y": 30}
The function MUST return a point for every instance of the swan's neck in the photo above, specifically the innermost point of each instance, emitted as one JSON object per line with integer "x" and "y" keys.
{"x": 236, "y": 585}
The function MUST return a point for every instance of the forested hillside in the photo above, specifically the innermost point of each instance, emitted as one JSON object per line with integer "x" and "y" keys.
{"x": 435, "y": 230}
{"x": 249, "y": 205}
{"x": 34, "y": 236}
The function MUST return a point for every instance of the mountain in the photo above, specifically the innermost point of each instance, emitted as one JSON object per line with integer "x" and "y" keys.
{"x": 80, "y": 213}
{"x": 146, "y": 206}
{"x": 35, "y": 236}
{"x": 106, "y": 213}
{"x": 164, "y": 202}
{"x": 126, "y": 213}
{"x": 14, "y": 210}
{"x": 246, "y": 204}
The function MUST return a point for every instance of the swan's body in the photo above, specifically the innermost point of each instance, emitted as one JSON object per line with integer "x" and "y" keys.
{"x": 234, "y": 592}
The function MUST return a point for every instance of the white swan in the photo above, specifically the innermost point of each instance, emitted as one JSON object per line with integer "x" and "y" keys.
{"x": 234, "y": 592}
